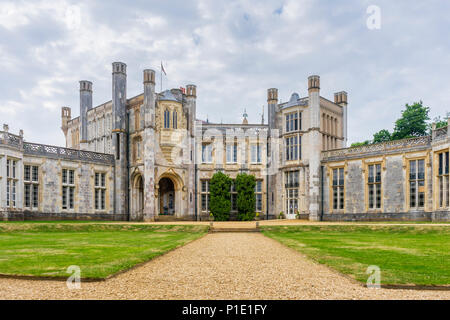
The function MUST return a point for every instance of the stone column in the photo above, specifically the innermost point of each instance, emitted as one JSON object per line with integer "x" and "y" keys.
{"x": 149, "y": 141}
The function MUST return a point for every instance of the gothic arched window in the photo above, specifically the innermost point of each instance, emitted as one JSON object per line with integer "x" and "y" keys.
{"x": 166, "y": 119}
{"x": 175, "y": 123}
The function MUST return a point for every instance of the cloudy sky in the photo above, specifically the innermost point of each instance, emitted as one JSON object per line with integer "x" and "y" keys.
{"x": 232, "y": 50}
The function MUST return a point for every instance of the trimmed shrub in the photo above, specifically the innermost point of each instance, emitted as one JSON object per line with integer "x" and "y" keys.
{"x": 245, "y": 188}
{"x": 220, "y": 198}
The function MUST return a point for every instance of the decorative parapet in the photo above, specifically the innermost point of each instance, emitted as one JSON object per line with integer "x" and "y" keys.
{"x": 65, "y": 153}
{"x": 11, "y": 140}
{"x": 378, "y": 148}
{"x": 439, "y": 134}
{"x": 54, "y": 152}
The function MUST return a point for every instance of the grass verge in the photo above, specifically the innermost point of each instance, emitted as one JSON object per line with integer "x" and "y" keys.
{"x": 406, "y": 255}
{"x": 100, "y": 250}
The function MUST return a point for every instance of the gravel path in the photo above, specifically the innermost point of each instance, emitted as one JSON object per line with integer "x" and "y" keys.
{"x": 219, "y": 266}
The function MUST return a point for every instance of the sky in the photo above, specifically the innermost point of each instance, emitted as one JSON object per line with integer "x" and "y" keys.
{"x": 232, "y": 50}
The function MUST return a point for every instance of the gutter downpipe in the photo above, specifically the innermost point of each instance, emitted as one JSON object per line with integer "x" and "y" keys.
{"x": 195, "y": 193}
{"x": 321, "y": 193}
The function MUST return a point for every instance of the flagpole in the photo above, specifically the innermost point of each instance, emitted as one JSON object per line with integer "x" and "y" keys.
{"x": 161, "y": 75}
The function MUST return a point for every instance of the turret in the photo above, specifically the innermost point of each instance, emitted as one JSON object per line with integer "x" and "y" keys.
{"x": 272, "y": 101}
{"x": 315, "y": 138}
{"x": 340, "y": 98}
{"x": 191, "y": 99}
{"x": 119, "y": 136}
{"x": 149, "y": 209}
{"x": 149, "y": 97}
{"x": 314, "y": 100}
{"x": 65, "y": 118}
{"x": 85, "y": 106}
{"x": 119, "y": 95}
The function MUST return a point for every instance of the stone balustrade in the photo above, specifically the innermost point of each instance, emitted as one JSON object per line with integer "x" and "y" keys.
{"x": 55, "y": 152}
{"x": 378, "y": 148}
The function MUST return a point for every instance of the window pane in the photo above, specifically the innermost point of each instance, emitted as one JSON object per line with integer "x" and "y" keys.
{"x": 421, "y": 169}
{"x": 35, "y": 196}
{"x": 378, "y": 196}
{"x": 27, "y": 195}
{"x": 35, "y": 174}
{"x": 378, "y": 177}
{"x": 446, "y": 163}
{"x": 412, "y": 194}
{"x": 412, "y": 170}
{"x": 341, "y": 176}
{"x": 371, "y": 174}
{"x": 371, "y": 196}
{"x": 27, "y": 173}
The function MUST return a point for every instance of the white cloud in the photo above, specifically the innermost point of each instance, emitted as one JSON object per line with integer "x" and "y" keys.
{"x": 232, "y": 50}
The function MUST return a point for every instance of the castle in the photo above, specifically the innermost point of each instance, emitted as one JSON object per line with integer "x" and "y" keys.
{"x": 148, "y": 157}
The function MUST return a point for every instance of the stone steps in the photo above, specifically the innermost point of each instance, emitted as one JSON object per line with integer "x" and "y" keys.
{"x": 243, "y": 229}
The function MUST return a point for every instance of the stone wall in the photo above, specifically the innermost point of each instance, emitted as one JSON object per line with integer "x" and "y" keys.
{"x": 401, "y": 216}
{"x": 49, "y": 216}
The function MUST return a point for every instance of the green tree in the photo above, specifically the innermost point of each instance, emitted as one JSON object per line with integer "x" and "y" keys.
{"x": 382, "y": 136}
{"x": 220, "y": 199}
{"x": 245, "y": 188}
{"x": 441, "y": 122}
{"x": 359, "y": 144}
{"x": 413, "y": 122}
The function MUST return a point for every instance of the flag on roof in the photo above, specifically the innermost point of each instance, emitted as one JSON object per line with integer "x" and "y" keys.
{"x": 162, "y": 69}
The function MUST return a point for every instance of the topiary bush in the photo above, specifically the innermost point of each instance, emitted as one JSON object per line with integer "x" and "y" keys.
{"x": 245, "y": 188}
{"x": 220, "y": 198}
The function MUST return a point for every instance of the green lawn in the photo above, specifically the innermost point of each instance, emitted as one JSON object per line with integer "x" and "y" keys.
{"x": 47, "y": 249}
{"x": 417, "y": 255}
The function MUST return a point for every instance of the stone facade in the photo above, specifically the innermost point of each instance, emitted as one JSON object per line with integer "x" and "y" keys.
{"x": 148, "y": 157}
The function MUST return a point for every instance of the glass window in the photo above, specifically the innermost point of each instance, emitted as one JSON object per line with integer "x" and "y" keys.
{"x": 292, "y": 121}
{"x": 258, "y": 195}
{"x": 31, "y": 186}
{"x": 11, "y": 183}
{"x": 443, "y": 180}
{"x": 166, "y": 119}
{"x": 256, "y": 153}
{"x": 100, "y": 190}
{"x": 232, "y": 152}
{"x": 293, "y": 146}
{"x": 68, "y": 188}
{"x": 204, "y": 195}
{"x": 291, "y": 190}
{"x": 207, "y": 153}
{"x": 374, "y": 186}
{"x": 338, "y": 189}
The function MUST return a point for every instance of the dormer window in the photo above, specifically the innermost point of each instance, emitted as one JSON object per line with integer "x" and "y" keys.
{"x": 166, "y": 119}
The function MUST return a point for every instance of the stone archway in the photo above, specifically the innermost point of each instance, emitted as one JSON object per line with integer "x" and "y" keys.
{"x": 137, "y": 198}
{"x": 167, "y": 201}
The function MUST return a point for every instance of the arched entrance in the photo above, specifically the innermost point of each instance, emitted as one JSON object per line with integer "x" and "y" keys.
{"x": 138, "y": 197}
{"x": 166, "y": 196}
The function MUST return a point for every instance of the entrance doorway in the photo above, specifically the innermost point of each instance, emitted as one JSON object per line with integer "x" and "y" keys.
{"x": 138, "y": 197}
{"x": 166, "y": 197}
